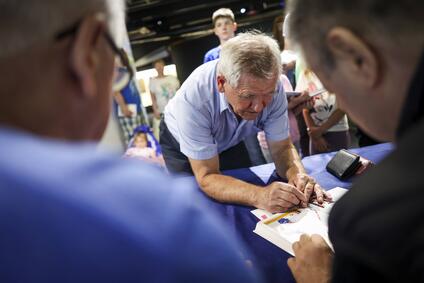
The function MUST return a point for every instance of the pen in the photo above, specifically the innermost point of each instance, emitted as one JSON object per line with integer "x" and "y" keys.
{"x": 317, "y": 204}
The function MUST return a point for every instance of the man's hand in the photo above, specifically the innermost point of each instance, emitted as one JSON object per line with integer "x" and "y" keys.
{"x": 309, "y": 187}
{"x": 313, "y": 260}
{"x": 278, "y": 197}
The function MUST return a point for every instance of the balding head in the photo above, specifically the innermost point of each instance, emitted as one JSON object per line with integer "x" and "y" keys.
{"x": 58, "y": 86}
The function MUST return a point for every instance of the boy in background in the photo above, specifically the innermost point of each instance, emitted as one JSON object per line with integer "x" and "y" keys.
{"x": 224, "y": 27}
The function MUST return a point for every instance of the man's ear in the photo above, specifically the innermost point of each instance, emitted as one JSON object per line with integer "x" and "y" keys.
{"x": 84, "y": 54}
{"x": 220, "y": 81}
{"x": 235, "y": 26}
{"x": 354, "y": 56}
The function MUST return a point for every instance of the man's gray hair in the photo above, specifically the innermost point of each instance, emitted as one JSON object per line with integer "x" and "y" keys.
{"x": 28, "y": 22}
{"x": 250, "y": 53}
{"x": 310, "y": 21}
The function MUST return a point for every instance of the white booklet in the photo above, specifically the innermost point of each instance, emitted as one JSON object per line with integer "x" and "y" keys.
{"x": 283, "y": 229}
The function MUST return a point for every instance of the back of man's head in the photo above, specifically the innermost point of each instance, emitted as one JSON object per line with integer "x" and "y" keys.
{"x": 363, "y": 51}
{"x": 252, "y": 54}
{"x": 391, "y": 21}
{"x": 24, "y": 23}
{"x": 222, "y": 13}
{"x": 36, "y": 65}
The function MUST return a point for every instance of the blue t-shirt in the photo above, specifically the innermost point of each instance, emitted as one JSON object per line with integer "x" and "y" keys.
{"x": 212, "y": 54}
{"x": 71, "y": 214}
{"x": 201, "y": 120}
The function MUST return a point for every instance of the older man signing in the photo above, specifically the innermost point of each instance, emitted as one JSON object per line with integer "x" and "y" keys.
{"x": 220, "y": 104}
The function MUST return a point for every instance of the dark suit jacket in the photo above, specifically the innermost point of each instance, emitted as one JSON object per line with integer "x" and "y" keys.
{"x": 377, "y": 228}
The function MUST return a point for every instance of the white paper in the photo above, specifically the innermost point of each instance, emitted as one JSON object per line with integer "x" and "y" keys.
{"x": 283, "y": 229}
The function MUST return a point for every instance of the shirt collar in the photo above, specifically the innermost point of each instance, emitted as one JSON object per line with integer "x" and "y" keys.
{"x": 413, "y": 109}
{"x": 223, "y": 103}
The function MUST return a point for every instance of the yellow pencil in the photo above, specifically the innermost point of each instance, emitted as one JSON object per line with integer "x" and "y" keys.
{"x": 279, "y": 216}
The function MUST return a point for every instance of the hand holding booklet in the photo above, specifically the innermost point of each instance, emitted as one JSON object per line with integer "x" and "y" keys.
{"x": 283, "y": 229}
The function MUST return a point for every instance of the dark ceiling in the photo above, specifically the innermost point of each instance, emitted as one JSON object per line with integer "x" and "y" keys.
{"x": 155, "y": 23}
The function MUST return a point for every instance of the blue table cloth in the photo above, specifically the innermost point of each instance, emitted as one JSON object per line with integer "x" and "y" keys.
{"x": 267, "y": 258}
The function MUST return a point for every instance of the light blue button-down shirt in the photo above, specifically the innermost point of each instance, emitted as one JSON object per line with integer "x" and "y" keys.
{"x": 200, "y": 119}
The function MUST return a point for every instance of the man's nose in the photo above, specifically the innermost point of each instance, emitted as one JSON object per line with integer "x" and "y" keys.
{"x": 258, "y": 104}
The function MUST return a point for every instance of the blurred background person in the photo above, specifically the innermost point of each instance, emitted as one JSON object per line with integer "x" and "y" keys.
{"x": 293, "y": 65}
{"x": 162, "y": 89}
{"x": 144, "y": 146}
{"x": 128, "y": 109}
{"x": 327, "y": 125}
{"x": 288, "y": 55}
{"x": 295, "y": 102}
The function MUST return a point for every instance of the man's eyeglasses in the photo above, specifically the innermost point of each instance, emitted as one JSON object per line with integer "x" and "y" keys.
{"x": 123, "y": 70}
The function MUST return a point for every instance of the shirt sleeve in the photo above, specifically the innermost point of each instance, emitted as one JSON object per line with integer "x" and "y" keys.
{"x": 276, "y": 125}
{"x": 206, "y": 58}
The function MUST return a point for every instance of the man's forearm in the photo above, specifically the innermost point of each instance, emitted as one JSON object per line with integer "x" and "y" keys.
{"x": 231, "y": 190}
{"x": 287, "y": 161}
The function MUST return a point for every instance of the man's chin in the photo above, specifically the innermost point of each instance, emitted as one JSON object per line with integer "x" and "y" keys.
{"x": 226, "y": 36}
{"x": 249, "y": 116}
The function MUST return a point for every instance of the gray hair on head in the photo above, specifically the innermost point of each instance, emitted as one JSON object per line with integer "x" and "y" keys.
{"x": 311, "y": 20}
{"x": 25, "y": 23}
{"x": 250, "y": 53}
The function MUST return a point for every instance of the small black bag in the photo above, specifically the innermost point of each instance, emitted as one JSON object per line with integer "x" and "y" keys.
{"x": 344, "y": 164}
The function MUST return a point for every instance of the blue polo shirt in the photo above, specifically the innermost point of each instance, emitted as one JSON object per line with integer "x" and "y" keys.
{"x": 72, "y": 214}
{"x": 201, "y": 120}
{"x": 212, "y": 54}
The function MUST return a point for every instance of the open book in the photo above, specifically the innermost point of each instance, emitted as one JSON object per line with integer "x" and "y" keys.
{"x": 283, "y": 229}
